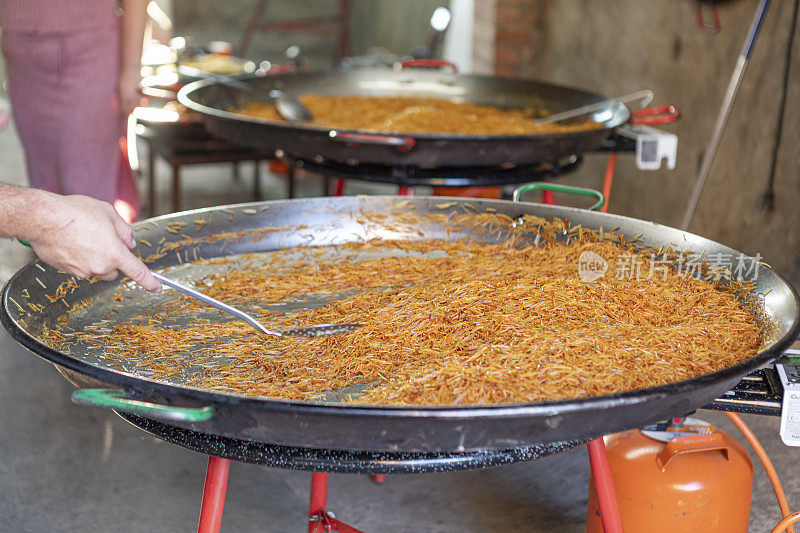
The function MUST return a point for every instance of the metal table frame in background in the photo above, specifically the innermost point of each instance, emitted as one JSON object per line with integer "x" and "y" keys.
{"x": 179, "y": 153}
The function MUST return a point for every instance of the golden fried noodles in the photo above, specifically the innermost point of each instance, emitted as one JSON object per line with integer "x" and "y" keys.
{"x": 444, "y": 323}
{"x": 417, "y": 115}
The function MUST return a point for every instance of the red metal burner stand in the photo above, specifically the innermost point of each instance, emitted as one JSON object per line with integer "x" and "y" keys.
{"x": 402, "y": 190}
{"x": 604, "y": 483}
{"x": 320, "y": 520}
{"x": 214, "y": 495}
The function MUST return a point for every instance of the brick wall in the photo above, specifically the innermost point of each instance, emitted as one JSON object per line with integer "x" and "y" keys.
{"x": 483, "y": 38}
{"x": 505, "y": 35}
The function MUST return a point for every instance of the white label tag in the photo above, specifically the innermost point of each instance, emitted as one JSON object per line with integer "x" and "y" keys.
{"x": 790, "y": 418}
{"x": 790, "y": 411}
{"x": 652, "y": 146}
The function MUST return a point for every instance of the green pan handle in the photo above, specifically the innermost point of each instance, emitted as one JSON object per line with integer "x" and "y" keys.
{"x": 116, "y": 399}
{"x": 556, "y": 187}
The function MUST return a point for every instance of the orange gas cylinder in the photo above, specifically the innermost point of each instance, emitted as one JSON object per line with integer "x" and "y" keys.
{"x": 665, "y": 483}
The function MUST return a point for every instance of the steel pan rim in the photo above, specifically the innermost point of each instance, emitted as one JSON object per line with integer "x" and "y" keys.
{"x": 142, "y": 385}
{"x": 621, "y": 116}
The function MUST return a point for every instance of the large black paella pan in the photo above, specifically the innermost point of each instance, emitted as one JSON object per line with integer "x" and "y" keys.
{"x": 218, "y": 103}
{"x": 26, "y": 308}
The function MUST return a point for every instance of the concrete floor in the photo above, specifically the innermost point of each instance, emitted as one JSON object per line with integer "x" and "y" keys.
{"x": 70, "y": 468}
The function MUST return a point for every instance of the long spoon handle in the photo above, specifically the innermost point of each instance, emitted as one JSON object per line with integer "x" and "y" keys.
{"x": 221, "y": 78}
{"x": 645, "y": 95}
{"x": 288, "y": 105}
{"x": 216, "y": 303}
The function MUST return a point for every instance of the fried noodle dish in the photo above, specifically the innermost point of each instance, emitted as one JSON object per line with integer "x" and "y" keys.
{"x": 456, "y": 321}
{"x": 418, "y": 115}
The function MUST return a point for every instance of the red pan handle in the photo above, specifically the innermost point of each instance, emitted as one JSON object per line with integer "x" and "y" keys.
{"x": 429, "y": 63}
{"x": 403, "y": 144}
{"x": 660, "y": 114}
{"x": 282, "y": 68}
{"x": 713, "y": 25}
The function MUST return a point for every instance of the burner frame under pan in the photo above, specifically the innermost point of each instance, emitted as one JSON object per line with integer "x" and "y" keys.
{"x": 415, "y": 176}
{"x": 341, "y": 461}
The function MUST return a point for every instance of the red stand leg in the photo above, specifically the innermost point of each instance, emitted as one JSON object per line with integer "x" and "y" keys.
{"x": 405, "y": 191}
{"x": 214, "y": 495}
{"x": 319, "y": 521}
{"x": 608, "y": 179}
{"x": 604, "y": 487}
{"x": 319, "y": 501}
{"x": 548, "y": 198}
{"x": 339, "y": 188}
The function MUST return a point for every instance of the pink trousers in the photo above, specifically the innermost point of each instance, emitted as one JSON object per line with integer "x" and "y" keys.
{"x": 63, "y": 93}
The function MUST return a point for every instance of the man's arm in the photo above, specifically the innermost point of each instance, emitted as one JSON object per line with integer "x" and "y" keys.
{"x": 76, "y": 234}
{"x": 134, "y": 18}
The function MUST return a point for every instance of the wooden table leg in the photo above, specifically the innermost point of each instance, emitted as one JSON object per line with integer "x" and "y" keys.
{"x": 290, "y": 180}
{"x": 176, "y": 188}
{"x": 151, "y": 174}
{"x": 257, "y": 181}
{"x": 236, "y": 177}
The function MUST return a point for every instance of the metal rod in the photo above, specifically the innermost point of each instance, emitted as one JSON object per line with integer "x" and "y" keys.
{"x": 646, "y": 96}
{"x": 724, "y": 113}
{"x": 604, "y": 487}
{"x": 215, "y": 303}
{"x": 288, "y": 105}
{"x": 318, "y": 330}
{"x": 608, "y": 180}
{"x": 548, "y": 198}
{"x": 220, "y": 78}
{"x": 214, "y": 495}
{"x": 339, "y": 187}
{"x": 318, "y": 504}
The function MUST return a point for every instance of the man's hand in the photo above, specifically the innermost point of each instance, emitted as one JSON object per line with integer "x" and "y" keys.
{"x": 134, "y": 19}
{"x": 76, "y": 234}
{"x": 129, "y": 95}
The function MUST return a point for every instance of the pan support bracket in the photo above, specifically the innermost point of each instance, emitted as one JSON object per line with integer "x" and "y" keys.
{"x": 651, "y": 146}
{"x": 759, "y": 393}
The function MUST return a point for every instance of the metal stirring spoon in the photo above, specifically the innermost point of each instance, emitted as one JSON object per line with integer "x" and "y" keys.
{"x": 321, "y": 330}
{"x": 289, "y": 106}
{"x": 646, "y": 96}
{"x": 292, "y": 109}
